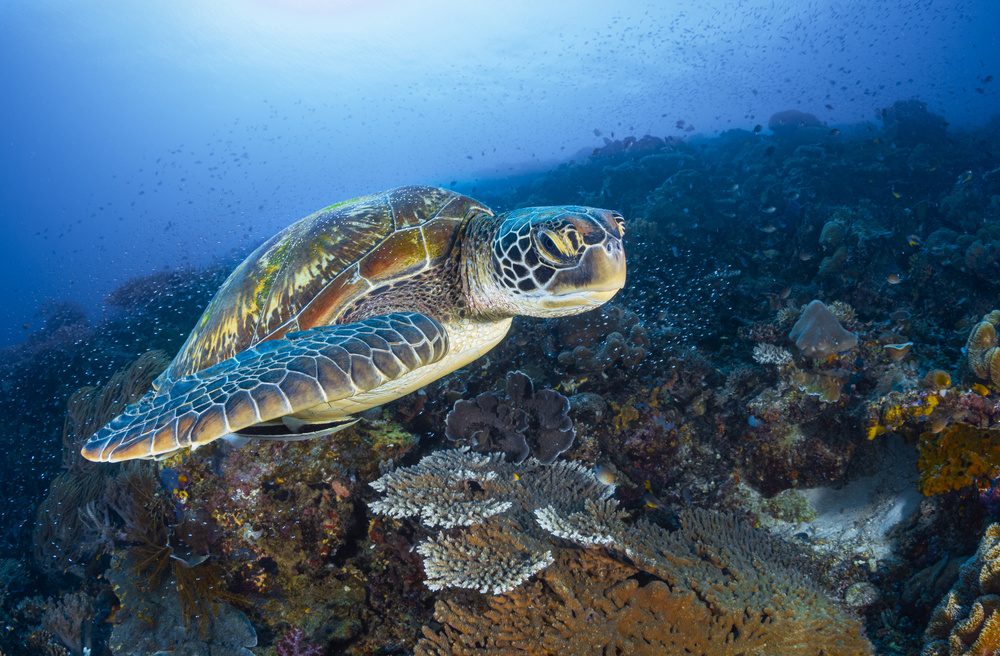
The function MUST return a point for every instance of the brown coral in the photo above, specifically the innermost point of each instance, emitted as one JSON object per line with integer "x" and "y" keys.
{"x": 967, "y": 620}
{"x": 70, "y": 620}
{"x": 715, "y": 585}
{"x": 595, "y": 341}
{"x": 589, "y": 602}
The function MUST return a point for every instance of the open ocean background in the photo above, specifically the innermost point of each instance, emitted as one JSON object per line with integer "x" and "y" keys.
{"x": 141, "y": 136}
{"x": 781, "y": 436}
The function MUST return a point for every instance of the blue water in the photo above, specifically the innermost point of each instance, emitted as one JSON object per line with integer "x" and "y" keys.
{"x": 138, "y": 136}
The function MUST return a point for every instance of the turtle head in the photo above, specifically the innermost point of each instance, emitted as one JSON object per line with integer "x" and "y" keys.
{"x": 554, "y": 261}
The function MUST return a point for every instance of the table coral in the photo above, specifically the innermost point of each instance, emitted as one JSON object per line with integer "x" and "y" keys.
{"x": 501, "y": 545}
{"x": 715, "y": 578}
{"x": 967, "y": 621}
{"x": 589, "y": 600}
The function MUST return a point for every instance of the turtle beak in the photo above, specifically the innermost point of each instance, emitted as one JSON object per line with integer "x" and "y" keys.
{"x": 592, "y": 282}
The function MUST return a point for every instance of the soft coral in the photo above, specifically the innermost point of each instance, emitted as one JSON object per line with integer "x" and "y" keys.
{"x": 293, "y": 644}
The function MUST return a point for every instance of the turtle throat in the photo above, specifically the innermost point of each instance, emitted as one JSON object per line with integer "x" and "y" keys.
{"x": 485, "y": 297}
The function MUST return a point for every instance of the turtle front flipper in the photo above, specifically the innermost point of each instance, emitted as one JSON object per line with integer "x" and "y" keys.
{"x": 274, "y": 379}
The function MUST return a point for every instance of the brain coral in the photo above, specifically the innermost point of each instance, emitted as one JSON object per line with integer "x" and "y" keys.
{"x": 818, "y": 334}
{"x": 967, "y": 620}
{"x": 981, "y": 348}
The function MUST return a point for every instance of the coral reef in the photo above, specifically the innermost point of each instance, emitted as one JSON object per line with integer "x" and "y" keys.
{"x": 981, "y": 349}
{"x": 738, "y": 574}
{"x": 958, "y": 456}
{"x": 624, "y": 337}
{"x": 967, "y": 620}
{"x": 908, "y": 123}
{"x": 70, "y": 620}
{"x": 528, "y": 422}
{"x": 494, "y": 500}
{"x": 795, "y": 126}
{"x": 686, "y": 393}
{"x": 152, "y": 619}
{"x": 588, "y": 600}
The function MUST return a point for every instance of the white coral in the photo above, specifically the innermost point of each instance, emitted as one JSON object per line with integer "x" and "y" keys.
{"x": 771, "y": 354}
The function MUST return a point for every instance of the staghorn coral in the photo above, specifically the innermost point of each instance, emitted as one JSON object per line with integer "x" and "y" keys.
{"x": 489, "y": 425}
{"x": 771, "y": 354}
{"x": 967, "y": 620}
{"x": 981, "y": 349}
{"x": 502, "y": 544}
{"x": 818, "y": 334}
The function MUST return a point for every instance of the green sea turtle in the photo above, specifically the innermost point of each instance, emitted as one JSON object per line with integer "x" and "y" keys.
{"x": 359, "y": 304}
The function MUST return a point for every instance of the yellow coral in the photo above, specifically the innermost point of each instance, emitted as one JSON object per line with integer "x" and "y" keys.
{"x": 960, "y": 456}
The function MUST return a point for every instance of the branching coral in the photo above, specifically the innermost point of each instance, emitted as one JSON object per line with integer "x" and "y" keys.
{"x": 771, "y": 354}
{"x": 489, "y": 425}
{"x": 718, "y": 581}
{"x": 502, "y": 545}
{"x": 967, "y": 620}
{"x": 591, "y": 602}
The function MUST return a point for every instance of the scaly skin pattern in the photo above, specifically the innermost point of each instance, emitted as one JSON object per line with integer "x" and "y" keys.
{"x": 361, "y": 303}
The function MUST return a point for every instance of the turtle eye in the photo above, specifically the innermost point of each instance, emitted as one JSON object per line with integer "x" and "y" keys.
{"x": 620, "y": 222}
{"x": 553, "y": 247}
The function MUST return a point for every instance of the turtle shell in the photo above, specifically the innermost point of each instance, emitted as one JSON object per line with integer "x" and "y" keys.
{"x": 310, "y": 272}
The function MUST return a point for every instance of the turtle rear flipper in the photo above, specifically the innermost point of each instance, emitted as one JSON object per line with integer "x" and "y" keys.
{"x": 274, "y": 379}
